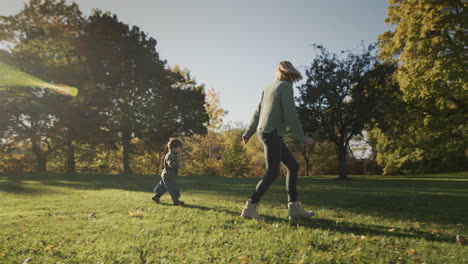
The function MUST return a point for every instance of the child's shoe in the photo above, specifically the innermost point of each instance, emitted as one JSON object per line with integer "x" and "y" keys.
{"x": 178, "y": 202}
{"x": 296, "y": 211}
{"x": 250, "y": 211}
{"x": 156, "y": 199}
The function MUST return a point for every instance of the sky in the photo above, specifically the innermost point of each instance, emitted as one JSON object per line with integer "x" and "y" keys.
{"x": 234, "y": 46}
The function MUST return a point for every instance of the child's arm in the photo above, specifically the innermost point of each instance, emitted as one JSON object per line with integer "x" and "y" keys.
{"x": 173, "y": 161}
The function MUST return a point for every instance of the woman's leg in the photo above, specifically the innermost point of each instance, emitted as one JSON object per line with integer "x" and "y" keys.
{"x": 293, "y": 169}
{"x": 272, "y": 146}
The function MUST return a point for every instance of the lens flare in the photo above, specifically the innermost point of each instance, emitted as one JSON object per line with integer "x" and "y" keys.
{"x": 13, "y": 77}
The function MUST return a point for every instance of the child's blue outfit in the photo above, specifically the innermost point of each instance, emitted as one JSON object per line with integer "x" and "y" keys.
{"x": 169, "y": 174}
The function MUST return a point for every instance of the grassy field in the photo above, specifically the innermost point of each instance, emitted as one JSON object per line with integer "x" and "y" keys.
{"x": 60, "y": 218}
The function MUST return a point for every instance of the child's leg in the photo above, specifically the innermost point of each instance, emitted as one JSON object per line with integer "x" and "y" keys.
{"x": 172, "y": 188}
{"x": 160, "y": 189}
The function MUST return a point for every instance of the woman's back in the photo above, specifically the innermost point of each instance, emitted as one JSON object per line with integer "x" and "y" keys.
{"x": 276, "y": 110}
{"x": 271, "y": 115}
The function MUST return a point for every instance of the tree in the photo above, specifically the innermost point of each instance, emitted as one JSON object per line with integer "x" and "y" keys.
{"x": 204, "y": 152}
{"x": 180, "y": 112}
{"x": 214, "y": 110}
{"x": 235, "y": 159}
{"x": 184, "y": 111}
{"x": 141, "y": 97}
{"x": 256, "y": 156}
{"x": 312, "y": 156}
{"x": 334, "y": 101}
{"x": 41, "y": 38}
{"x": 25, "y": 119}
{"x": 126, "y": 69}
{"x": 428, "y": 43}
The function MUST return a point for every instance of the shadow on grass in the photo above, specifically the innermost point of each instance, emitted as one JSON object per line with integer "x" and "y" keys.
{"x": 340, "y": 226}
{"x": 428, "y": 199}
{"x": 14, "y": 187}
{"x": 369, "y": 230}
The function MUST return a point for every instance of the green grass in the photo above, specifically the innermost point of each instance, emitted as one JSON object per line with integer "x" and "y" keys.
{"x": 60, "y": 218}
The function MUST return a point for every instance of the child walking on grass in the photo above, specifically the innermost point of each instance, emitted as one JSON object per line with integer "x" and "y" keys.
{"x": 169, "y": 174}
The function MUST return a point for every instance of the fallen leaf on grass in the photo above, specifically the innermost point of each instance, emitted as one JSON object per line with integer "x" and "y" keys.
{"x": 364, "y": 238}
{"x": 137, "y": 213}
{"x": 411, "y": 252}
{"x": 358, "y": 244}
{"x": 391, "y": 230}
{"x": 49, "y": 248}
{"x": 243, "y": 259}
{"x": 4, "y": 254}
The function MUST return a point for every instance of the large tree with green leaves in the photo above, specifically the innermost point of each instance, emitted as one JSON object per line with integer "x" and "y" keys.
{"x": 428, "y": 43}
{"x": 123, "y": 64}
{"x": 336, "y": 99}
{"x": 140, "y": 96}
{"x": 179, "y": 112}
{"x": 41, "y": 40}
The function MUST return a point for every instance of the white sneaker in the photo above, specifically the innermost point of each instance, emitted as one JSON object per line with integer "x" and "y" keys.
{"x": 250, "y": 211}
{"x": 297, "y": 212}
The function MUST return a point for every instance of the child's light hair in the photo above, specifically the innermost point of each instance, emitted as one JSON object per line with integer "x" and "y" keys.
{"x": 286, "y": 71}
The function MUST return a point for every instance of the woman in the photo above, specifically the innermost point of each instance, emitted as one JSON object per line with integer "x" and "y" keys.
{"x": 276, "y": 112}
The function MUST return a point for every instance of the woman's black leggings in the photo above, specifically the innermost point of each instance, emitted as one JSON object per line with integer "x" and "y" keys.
{"x": 275, "y": 153}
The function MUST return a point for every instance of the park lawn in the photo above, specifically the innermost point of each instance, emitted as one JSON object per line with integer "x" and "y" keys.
{"x": 84, "y": 218}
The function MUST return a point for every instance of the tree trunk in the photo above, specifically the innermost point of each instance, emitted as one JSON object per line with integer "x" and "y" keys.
{"x": 41, "y": 156}
{"x": 158, "y": 164}
{"x": 71, "y": 165}
{"x": 307, "y": 166}
{"x": 126, "y": 151}
{"x": 42, "y": 163}
{"x": 306, "y": 161}
{"x": 342, "y": 168}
